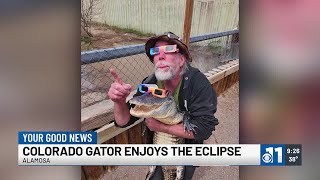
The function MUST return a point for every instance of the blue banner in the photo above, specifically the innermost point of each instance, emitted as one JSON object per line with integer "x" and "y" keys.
{"x": 57, "y": 137}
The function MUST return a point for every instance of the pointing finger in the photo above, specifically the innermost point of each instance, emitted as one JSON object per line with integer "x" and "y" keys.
{"x": 115, "y": 76}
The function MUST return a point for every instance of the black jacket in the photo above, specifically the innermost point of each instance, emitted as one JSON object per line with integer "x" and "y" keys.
{"x": 201, "y": 104}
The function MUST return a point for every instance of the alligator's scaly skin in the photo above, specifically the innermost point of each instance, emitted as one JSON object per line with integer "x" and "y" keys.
{"x": 164, "y": 110}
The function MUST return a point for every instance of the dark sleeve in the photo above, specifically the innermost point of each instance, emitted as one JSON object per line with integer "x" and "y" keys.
{"x": 202, "y": 106}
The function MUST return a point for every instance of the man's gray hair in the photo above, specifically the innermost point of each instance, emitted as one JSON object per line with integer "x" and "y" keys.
{"x": 185, "y": 67}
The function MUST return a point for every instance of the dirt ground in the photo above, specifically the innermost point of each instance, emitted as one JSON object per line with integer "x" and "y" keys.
{"x": 227, "y": 132}
{"x": 106, "y": 37}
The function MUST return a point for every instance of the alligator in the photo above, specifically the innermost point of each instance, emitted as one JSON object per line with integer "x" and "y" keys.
{"x": 165, "y": 111}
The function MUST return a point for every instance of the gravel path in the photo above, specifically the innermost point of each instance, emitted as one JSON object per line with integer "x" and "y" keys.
{"x": 227, "y": 132}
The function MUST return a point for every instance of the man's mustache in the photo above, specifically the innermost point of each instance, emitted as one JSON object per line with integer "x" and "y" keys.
{"x": 163, "y": 64}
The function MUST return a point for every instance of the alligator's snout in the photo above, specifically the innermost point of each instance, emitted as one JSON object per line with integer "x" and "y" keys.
{"x": 148, "y": 105}
{"x": 149, "y": 100}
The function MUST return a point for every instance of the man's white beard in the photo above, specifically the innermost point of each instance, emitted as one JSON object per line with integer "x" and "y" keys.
{"x": 164, "y": 75}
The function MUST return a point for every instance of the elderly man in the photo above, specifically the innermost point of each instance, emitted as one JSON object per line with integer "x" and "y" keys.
{"x": 190, "y": 88}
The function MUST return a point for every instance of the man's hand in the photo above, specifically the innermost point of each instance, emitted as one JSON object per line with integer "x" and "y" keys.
{"x": 177, "y": 130}
{"x": 155, "y": 125}
{"x": 118, "y": 91}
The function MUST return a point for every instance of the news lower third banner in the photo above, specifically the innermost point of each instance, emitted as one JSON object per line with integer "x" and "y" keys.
{"x": 81, "y": 148}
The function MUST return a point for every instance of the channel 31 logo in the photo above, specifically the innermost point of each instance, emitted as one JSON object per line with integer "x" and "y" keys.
{"x": 272, "y": 155}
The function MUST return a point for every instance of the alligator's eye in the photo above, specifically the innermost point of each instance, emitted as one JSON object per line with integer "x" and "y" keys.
{"x": 158, "y": 92}
{"x": 144, "y": 88}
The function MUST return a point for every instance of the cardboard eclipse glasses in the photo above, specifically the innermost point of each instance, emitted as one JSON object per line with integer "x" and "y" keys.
{"x": 166, "y": 49}
{"x": 153, "y": 88}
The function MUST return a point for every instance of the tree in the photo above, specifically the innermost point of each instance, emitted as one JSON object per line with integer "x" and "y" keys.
{"x": 89, "y": 8}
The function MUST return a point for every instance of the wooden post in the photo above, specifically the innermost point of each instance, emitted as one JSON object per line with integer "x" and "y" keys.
{"x": 187, "y": 21}
{"x": 235, "y": 45}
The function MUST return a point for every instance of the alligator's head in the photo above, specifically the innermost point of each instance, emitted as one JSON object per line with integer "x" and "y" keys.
{"x": 148, "y": 105}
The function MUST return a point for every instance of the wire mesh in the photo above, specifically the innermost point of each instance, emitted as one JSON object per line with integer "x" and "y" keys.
{"x": 96, "y": 78}
{"x": 211, "y": 53}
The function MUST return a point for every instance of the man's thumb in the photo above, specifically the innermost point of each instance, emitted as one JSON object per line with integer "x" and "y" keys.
{"x": 127, "y": 87}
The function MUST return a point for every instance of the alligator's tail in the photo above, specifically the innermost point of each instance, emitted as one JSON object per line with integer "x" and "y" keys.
{"x": 173, "y": 172}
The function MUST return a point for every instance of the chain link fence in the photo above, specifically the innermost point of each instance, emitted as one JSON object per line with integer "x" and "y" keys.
{"x": 210, "y": 51}
{"x": 132, "y": 65}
